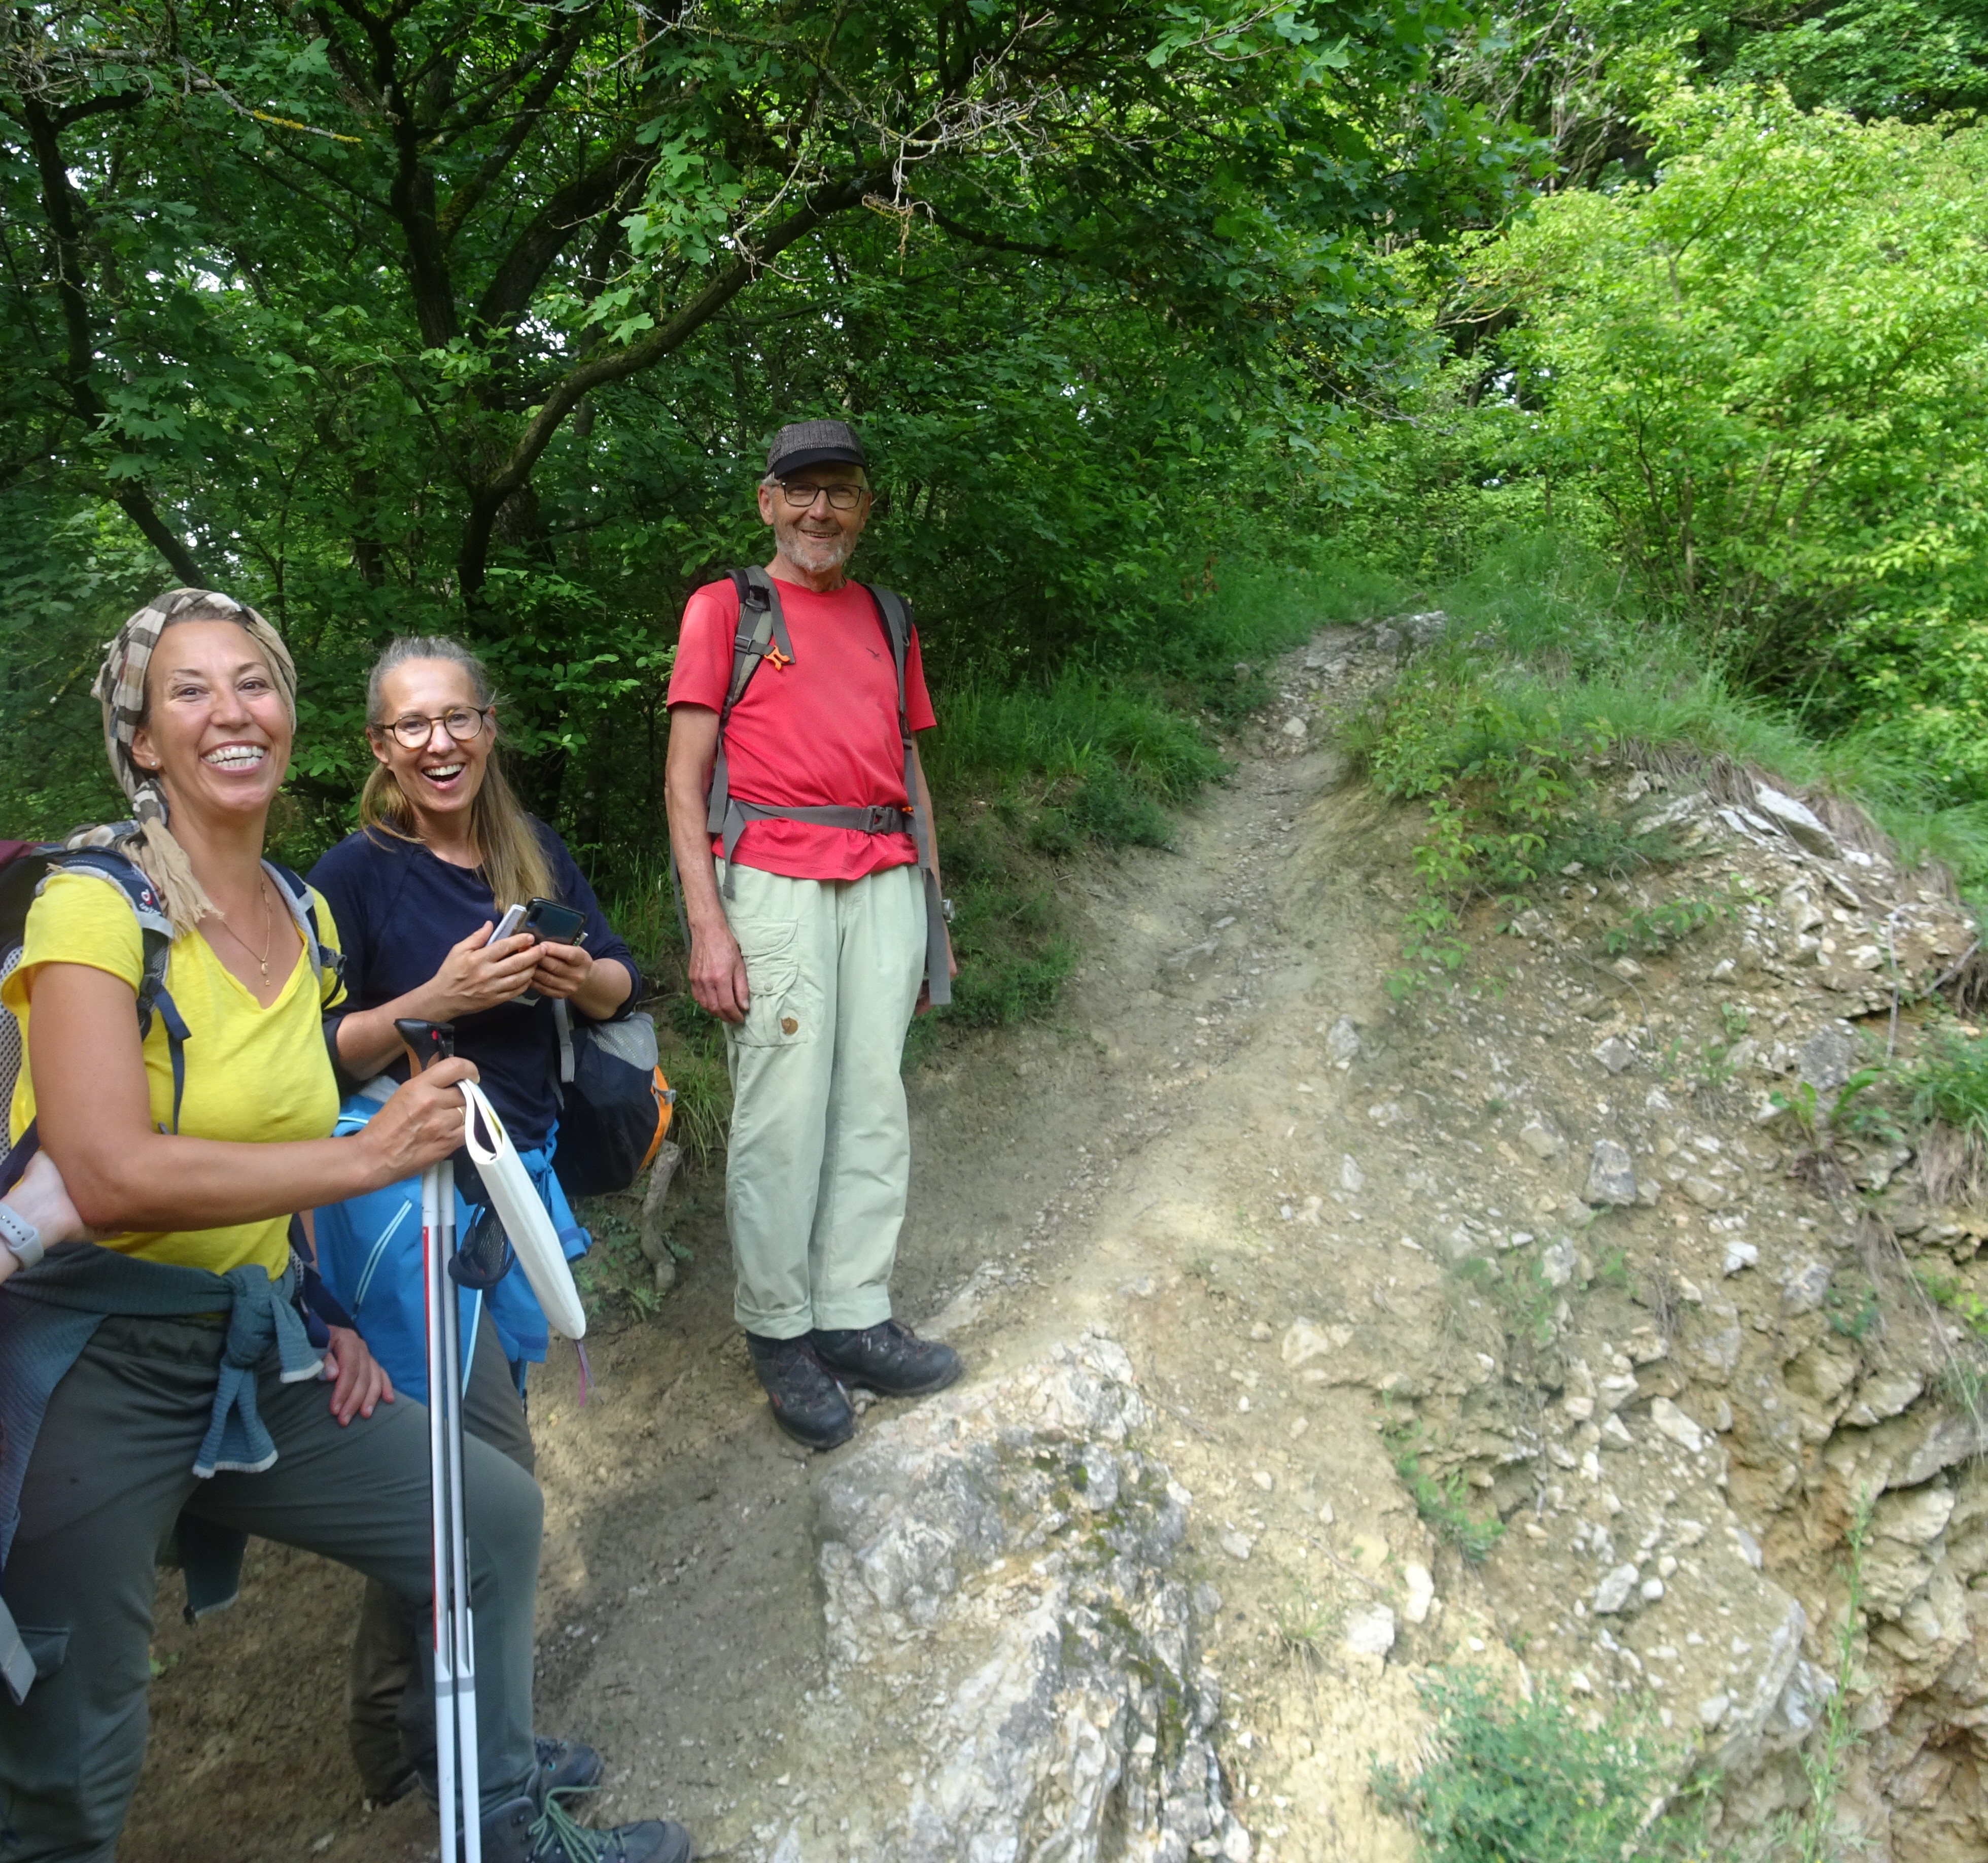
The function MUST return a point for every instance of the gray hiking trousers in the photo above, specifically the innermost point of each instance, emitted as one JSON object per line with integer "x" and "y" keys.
{"x": 112, "y": 1469}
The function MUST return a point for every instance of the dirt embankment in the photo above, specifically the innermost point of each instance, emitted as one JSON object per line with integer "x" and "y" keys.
{"x": 1227, "y": 1244}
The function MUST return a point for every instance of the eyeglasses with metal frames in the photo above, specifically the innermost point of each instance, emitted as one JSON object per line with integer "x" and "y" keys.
{"x": 840, "y": 497}
{"x": 462, "y": 723}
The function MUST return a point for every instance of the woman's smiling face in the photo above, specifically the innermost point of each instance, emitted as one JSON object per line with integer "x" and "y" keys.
{"x": 441, "y": 777}
{"x": 217, "y": 731}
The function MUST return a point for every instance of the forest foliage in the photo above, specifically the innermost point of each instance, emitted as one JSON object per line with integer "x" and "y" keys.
{"x": 480, "y": 315}
{"x": 1174, "y": 326}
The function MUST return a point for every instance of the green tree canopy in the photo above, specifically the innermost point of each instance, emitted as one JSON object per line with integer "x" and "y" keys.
{"x": 433, "y": 313}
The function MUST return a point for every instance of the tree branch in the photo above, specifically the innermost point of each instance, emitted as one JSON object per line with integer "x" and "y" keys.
{"x": 465, "y": 199}
{"x": 831, "y": 198}
{"x": 552, "y": 229}
{"x": 474, "y": 111}
{"x": 59, "y": 205}
{"x": 96, "y": 106}
{"x": 996, "y": 242}
{"x": 412, "y": 195}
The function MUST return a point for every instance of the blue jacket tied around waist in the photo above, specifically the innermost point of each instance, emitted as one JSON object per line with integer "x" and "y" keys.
{"x": 49, "y": 1313}
{"x": 369, "y": 1252}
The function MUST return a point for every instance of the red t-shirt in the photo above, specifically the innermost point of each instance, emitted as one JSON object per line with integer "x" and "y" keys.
{"x": 821, "y": 732}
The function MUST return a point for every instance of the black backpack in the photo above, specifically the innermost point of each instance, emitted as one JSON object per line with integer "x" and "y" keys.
{"x": 615, "y": 1107}
{"x": 25, "y": 866}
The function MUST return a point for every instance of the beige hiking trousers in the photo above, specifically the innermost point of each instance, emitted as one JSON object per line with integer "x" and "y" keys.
{"x": 820, "y": 1152}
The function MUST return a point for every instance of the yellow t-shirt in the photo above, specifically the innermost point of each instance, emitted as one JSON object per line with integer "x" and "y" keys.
{"x": 253, "y": 1075}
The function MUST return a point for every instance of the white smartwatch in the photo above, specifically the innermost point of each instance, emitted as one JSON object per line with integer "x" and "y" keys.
{"x": 20, "y": 1237}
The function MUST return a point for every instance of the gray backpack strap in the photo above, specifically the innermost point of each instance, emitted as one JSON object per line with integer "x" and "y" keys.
{"x": 896, "y": 616}
{"x": 327, "y": 965}
{"x": 762, "y": 635}
{"x": 563, "y": 1024}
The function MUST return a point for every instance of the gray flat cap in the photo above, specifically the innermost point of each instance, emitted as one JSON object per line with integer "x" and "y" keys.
{"x": 807, "y": 443}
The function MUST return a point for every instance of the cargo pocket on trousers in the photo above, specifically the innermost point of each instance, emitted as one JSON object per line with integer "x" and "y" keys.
{"x": 782, "y": 1010}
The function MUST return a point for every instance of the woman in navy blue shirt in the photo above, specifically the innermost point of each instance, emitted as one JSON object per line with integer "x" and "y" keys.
{"x": 445, "y": 847}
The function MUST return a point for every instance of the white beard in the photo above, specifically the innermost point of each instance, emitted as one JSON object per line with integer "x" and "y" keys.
{"x": 815, "y": 555}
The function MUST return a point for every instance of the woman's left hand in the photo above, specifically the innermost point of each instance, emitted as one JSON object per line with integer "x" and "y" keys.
{"x": 563, "y": 970}
{"x": 360, "y": 1381}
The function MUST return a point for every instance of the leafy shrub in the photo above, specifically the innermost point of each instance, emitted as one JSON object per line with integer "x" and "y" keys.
{"x": 1504, "y": 1780}
{"x": 1767, "y": 370}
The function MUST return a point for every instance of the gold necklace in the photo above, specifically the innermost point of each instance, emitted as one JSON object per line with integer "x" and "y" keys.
{"x": 269, "y": 932}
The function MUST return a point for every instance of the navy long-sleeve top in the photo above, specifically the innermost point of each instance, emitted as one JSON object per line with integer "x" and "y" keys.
{"x": 399, "y": 909}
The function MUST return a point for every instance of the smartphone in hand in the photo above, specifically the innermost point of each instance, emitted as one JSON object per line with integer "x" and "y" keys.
{"x": 513, "y": 916}
{"x": 551, "y": 923}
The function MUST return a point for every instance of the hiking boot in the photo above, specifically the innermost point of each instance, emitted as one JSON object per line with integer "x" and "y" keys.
{"x": 377, "y": 1794}
{"x": 523, "y": 1831}
{"x": 889, "y": 1358}
{"x": 565, "y": 1766}
{"x": 808, "y": 1404}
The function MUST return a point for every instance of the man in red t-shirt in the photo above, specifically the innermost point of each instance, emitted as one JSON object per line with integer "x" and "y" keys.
{"x": 810, "y": 941}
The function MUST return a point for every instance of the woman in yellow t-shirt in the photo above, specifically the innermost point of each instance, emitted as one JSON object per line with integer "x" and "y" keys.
{"x": 164, "y": 1377}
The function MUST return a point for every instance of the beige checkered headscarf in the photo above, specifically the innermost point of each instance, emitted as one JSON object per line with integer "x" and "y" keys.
{"x": 120, "y": 689}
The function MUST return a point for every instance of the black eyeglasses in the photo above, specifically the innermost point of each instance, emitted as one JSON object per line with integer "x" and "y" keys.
{"x": 461, "y": 722}
{"x": 840, "y": 497}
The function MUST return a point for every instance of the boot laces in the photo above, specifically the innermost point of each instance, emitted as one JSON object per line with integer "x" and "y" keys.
{"x": 555, "y": 1825}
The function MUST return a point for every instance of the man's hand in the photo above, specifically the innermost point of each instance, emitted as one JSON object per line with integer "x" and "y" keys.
{"x": 718, "y": 972}
{"x": 563, "y": 970}
{"x": 477, "y": 974}
{"x": 359, "y": 1380}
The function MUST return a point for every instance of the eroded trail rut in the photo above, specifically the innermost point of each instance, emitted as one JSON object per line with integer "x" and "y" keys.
{"x": 1061, "y": 1174}
{"x": 1232, "y": 1181}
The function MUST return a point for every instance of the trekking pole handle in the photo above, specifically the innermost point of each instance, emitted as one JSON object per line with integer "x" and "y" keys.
{"x": 427, "y": 1041}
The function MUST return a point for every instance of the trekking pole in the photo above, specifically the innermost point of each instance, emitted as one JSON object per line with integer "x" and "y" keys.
{"x": 457, "y": 1782}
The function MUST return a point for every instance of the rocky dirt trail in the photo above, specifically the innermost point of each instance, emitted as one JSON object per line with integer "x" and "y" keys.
{"x": 1229, "y": 1248}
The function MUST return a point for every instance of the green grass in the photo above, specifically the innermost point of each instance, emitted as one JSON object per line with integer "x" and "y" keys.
{"x": 1518, "y": 1288}
{"x": 1549, "y": 656}
{"x": 1306, "y": 1622}
{"x": 1948, "y": 1098}
{"x": 1506, "y": 1779}
{"x": 1812, "y": 1837}
{"x": 1440, "y": 1500}
{"x": 1548, "y": 667}
{"x": 1956, "y": 1298}
{"x": 1949, "y": 1083}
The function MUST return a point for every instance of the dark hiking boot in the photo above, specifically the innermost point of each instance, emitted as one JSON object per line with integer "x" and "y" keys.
{"x": 889, "y": 1358}
{"x": 565, "y": 1766}
{"x": 377, "y": 1794}
{"x": 808, "y": 1404}
{"x": 523, "y": 1831}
